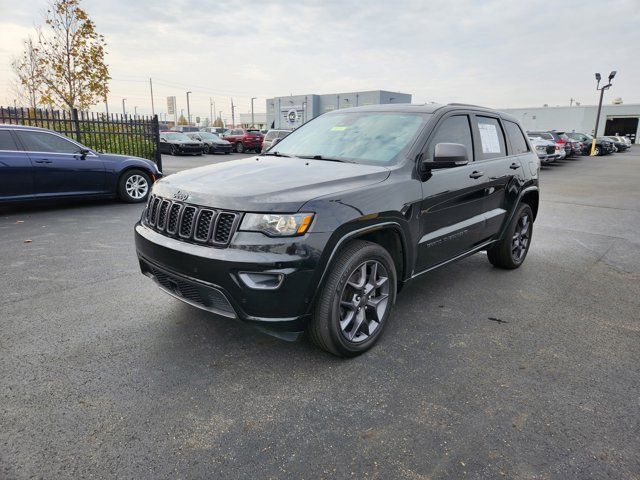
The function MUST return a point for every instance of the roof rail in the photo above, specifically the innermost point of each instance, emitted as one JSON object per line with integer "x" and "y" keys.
{"x": 466, "y": 105}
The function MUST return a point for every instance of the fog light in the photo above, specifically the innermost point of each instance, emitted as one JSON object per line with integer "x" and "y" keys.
{"x": 261, "y": 280}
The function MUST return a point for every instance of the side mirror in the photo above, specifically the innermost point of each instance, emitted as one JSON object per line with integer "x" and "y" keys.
{"x": 447, "y": 155}
{"x": 83, "y": 152}
{"x": 275, "y": 141}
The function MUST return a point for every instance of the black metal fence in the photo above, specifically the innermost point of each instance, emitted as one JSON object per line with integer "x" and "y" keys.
{"x": 137, "y": 135}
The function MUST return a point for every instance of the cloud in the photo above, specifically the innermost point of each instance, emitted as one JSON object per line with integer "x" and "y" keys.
{"x": 496, "y": 53}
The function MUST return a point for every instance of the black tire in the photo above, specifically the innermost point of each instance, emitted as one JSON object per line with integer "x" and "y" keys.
{"x": 128, "y": 193}
{"x": 506, "y": 254}
{"x": 324, "y": 329}
{"x": 227, "y": 153}
{"x": 597, "y": 151}
{"x": 174, "y": 150}
{"x": 239, "y": 147}
{"x": 206, "y": 149}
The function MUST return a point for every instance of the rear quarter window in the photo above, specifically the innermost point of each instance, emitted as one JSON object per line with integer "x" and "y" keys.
{"x": 516, "y": 138}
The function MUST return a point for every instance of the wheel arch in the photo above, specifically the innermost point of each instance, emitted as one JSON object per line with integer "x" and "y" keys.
{"x": 389, "y": 235}
{"x": 532, "y": 198}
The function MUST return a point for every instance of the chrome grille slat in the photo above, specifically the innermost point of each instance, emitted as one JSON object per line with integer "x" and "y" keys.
{"x": 191, "y": 223}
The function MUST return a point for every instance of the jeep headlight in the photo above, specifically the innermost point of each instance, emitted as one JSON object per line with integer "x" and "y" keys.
{"x": 277, "y": 225}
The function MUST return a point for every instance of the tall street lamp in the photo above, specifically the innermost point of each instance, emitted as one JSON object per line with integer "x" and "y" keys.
{"x": 253, "y": 124}
{"x": 602, "y": 89}
{"x": 188, "y": 110}
{"x": 124, "y": 112}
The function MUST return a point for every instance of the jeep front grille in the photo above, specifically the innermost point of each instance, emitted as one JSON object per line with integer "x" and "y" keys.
{"x": 190, "y": 222}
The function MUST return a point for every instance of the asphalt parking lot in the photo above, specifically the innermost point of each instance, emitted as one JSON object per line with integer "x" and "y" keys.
{"x": 481, "y": 373}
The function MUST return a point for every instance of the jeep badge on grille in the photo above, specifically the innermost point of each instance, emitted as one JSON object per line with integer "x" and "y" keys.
{"x": 181, "y": 196}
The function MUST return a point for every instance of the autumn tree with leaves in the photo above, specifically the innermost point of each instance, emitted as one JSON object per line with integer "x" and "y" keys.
{"x": 70, "y": 59}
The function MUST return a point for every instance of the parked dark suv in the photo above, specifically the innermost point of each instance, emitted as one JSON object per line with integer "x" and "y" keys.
{"x": 322, "y": 231}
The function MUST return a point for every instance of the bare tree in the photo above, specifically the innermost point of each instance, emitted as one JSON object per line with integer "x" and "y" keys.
{"x": 28, "y": 85}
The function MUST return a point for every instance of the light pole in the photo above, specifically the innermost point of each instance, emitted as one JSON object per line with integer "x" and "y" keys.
{"x": 135, "y": 110}
{"x": 124, "y": 112}
{"x": 253, "y": 123}
{"x": 602, "y": 89}
{"x": 188, "y": 110}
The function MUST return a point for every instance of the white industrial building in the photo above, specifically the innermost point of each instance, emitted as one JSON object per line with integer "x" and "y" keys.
{"x": 614, "y": 120}
{"x": 259, "y": 120}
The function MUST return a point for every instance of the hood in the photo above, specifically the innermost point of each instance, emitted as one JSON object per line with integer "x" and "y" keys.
{"x": 183, "y": 142}
{"x": 267, "y": 184}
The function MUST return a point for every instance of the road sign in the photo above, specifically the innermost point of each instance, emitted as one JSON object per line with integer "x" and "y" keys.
{"x": 171, "y": 105}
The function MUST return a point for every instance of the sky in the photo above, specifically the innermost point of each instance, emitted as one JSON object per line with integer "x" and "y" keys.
{"x": 500, "y": 54}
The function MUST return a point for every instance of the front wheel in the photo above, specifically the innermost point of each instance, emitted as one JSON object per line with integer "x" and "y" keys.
{"x": 134, "y": 186}
{"x": 354, "y": 304}
{"x": 511, "y": 251}
{"x": 174, "y": 150}
{"x": 597, "y": 151}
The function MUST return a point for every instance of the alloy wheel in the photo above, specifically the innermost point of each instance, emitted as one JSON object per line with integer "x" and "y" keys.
{"x": 136, "y": 186}
{"x": 364, "y": 301}
{"x": 521, "y": 237}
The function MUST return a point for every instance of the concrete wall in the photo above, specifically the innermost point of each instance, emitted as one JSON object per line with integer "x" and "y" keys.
{"x": 579, "y": 119}
{"x": 294, "y": 110}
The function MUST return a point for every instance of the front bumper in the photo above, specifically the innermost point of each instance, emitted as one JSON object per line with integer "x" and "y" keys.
{"x": 220, "y": 148}
{"x": 208, "y": 277}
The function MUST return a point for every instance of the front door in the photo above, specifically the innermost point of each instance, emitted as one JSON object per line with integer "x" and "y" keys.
{"x": 452, "y": 210}
{"x": 59, "y": 168}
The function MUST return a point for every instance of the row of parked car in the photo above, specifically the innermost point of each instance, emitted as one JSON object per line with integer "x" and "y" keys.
{"x": 552, "y": 145}
{"x": 194, "y": 141}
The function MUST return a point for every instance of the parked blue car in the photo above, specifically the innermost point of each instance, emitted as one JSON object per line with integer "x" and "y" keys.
{"x": 36, "y": 163}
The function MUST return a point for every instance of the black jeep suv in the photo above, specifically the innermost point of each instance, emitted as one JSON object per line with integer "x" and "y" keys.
{"x": 322, "y": 231}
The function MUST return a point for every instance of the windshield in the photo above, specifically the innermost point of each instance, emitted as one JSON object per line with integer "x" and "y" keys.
{"x": 208, "y": 136}
{"x": 181, "y": 137}
{"x": 361, "y": 137}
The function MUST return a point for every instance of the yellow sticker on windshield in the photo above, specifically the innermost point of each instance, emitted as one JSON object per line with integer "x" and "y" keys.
{"x": 338, "y": 129}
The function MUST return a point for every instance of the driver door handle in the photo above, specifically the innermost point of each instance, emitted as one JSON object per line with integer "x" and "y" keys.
{"x": 476, "y": 174}
{"x": 44, "y": 160}
{"x": 514, "y": 166}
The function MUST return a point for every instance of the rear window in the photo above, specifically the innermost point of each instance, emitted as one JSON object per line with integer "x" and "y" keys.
{"x": 254, "y": 132}
{"x": 546, "y": 136}
{"x": 6, "y": 141}
{"x": 271, "y": 135}
{"x": 518, "y": 142}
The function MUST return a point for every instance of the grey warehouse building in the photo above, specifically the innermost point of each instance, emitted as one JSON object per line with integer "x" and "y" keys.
{"x": 616, "y": 119}
{"x": 292, "y": 111}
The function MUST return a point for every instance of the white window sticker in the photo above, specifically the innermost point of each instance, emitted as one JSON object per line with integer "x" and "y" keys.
{"x": 489, "y": 138}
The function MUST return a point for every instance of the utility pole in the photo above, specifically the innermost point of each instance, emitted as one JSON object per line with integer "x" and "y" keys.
{"x": 135, "y": 110}
{"x": 211, "y": 110}
{"x": 188, "y": 110}
{"x": 106, "y": 106}
{"x": 151, "y": 87}
{"x": 233, "y": 115}
{"x": 602, "y": 89}
{"x": 124, "y": 111}
{"x": 253, "y": 123}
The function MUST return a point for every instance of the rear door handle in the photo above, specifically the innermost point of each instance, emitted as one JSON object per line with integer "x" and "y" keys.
{"x": 44, "y": 160}
{"x": 514, "y": 166}
{"x": 476, "y": 174}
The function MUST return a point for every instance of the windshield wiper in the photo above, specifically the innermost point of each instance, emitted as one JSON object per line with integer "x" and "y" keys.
{"x": 329, "y": 159}
{"x": 276, "y": 154}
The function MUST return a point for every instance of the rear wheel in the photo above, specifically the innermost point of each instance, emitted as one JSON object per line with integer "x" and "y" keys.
{"x": 134, "y": 186}
{"x": 239, "y": 147}
{"x": 206, "y": 149}
{"x": 597, "y": 151}
{"x": 355, "y": 302}
{"x": 174, "y": 150}
{"x": 511, "y": 251}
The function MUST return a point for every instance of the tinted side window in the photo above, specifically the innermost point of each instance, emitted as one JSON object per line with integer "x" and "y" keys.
{"x": 456, "y": 129}
{"x": 46, "y": 142}
{"x": 518, "y": 143}
{"x": 491, "y": 138}
{"x": 6, "y": 141}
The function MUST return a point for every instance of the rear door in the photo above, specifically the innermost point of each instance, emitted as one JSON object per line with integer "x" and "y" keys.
{"x": 16, "y": 172}
{"x": 58, "y": 166}
{"x": 451, "y": 214}
{"x": 500, "y": 165}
